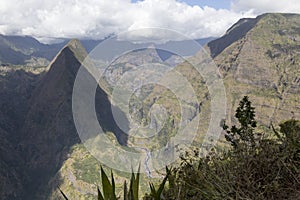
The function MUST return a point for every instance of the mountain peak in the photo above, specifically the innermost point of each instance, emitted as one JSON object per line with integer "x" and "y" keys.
{"x": 233, "y": 34}
{"x": 74, "y": 44}
{"x": 77, "y": 48}
{"x": 268, "y": 21}
{"x": 73, "y": 49}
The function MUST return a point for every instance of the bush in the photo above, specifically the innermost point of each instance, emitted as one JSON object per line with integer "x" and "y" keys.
{"x": 254, "y": 168}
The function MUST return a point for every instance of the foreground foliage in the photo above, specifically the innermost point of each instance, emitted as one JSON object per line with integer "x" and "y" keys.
{"x": 256, "y": 167}
{"x": 109, "y": 188}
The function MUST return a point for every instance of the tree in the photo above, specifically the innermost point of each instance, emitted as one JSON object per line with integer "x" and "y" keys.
{"x": 244, "y": 134}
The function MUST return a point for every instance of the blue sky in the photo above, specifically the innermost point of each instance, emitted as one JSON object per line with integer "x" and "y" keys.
{"x": 218, "y": 4}
{"x": 225, "y": 4}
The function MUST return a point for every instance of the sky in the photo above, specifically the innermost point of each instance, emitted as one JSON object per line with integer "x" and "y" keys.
{"x": 225, "y": 4}
{"x": 96, "y": 19}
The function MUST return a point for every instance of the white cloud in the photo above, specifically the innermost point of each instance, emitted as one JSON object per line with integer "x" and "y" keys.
{"x": 263, "y": 6}
{"x": 99, "y": 18}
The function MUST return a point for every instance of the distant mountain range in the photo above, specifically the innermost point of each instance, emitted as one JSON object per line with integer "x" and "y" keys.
{"x": 39, "y": 145}
{"x": 25, "y": 50}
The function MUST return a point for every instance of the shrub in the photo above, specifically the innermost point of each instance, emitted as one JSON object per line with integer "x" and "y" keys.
{"x": 254, "y": 168}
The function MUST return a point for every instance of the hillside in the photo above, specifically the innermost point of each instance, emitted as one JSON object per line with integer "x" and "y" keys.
{"x": 264, "y": 64}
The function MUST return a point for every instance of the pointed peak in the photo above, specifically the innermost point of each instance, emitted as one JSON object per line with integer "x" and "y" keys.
{"x": 76, "y": 47}
{"x": 73, "y": 49}
{"x": 74, "y": 43}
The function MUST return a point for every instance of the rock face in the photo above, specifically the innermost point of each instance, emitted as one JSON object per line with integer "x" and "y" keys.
{"x": 38, "y": 122}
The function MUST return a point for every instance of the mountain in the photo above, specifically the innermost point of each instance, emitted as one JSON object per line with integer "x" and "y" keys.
{"x": 48, "y": 129}
{"x": 262, "y": 62}
{"x": 39, "y": 145}
{"x": 257, "y": 57}
{"x": 34, "y": 105}
{"x": 26, "y": 50}
{"x": 38, "y": 121}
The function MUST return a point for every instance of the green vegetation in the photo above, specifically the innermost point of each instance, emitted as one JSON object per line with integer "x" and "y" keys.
{"x": 157, "y": 194}
{"x": 109, "y": 188}
{"x": 257, "y": 166}
{"x": 244, "y": 134}
{"x": 88, "y": 169}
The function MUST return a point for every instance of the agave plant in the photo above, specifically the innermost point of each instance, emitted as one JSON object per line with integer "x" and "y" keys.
{"x": 109, "y": 188}
{"x": 133, "y": 192}
{"x": 157, "y": 194}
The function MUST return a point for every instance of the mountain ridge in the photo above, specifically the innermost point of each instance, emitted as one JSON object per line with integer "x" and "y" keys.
{"x": 238, "y": 31}
{"x": 28, "y": 51}
{"x": 264, "y": 63}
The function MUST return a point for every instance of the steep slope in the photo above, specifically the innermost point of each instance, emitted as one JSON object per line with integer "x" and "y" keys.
{"x": 49, "y": 131}
{"x": 16, "y": 88}
{"x": 235, "y": 33}
{"x": 264, "y": 64}
{"x": 11, "y": 186}
{"x": 36, "y": 122}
